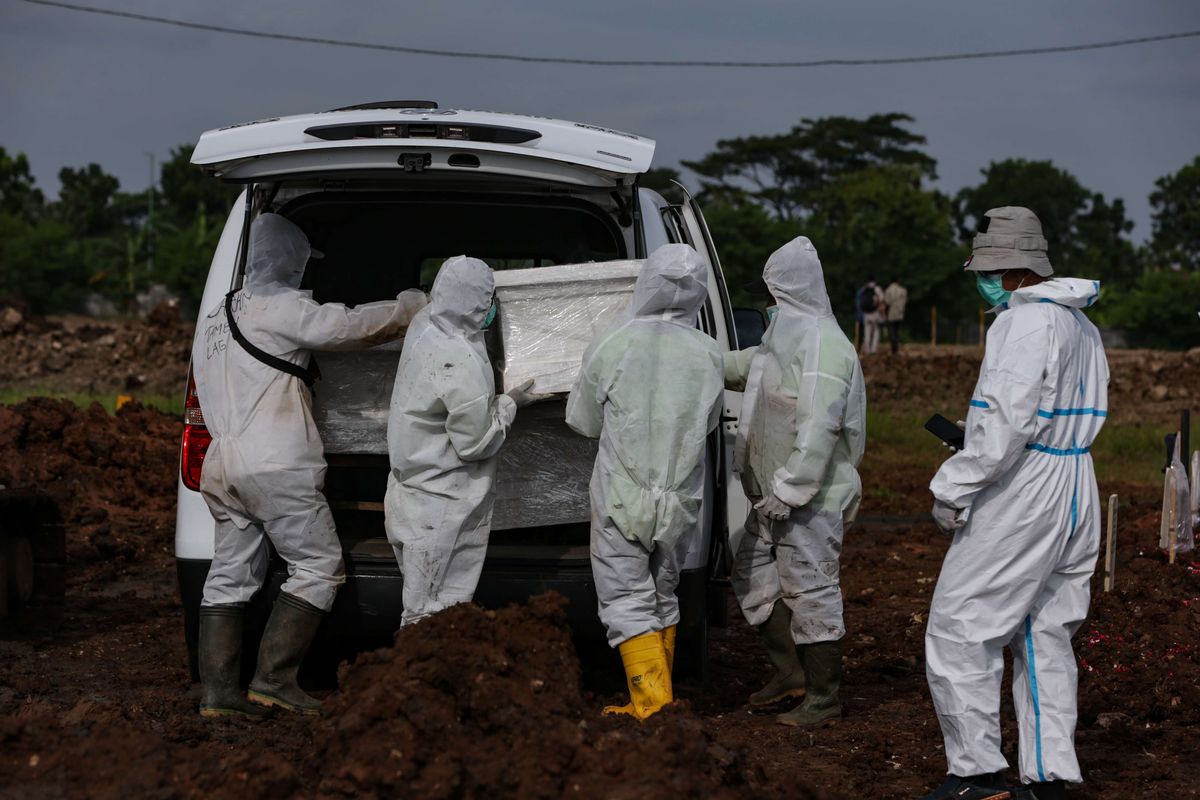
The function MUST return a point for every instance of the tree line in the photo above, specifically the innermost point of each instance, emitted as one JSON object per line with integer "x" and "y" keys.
{"x": 861, "y": 189}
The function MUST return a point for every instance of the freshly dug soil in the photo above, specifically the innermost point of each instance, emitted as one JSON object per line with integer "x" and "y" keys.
{"x": 469, "y": 703}
{"x": 103, "y": 705}
{"x": 112, "y": 476}
{"x": 1144, "y": 385}
{"x": 97, "y": 356}
{"x": 475, "y": 703}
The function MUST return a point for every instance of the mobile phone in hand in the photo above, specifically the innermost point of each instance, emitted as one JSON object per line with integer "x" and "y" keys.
{"x": 947, "y": 431}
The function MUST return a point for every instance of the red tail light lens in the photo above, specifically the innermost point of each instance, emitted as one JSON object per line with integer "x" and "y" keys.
{"x": 196, "y": 438}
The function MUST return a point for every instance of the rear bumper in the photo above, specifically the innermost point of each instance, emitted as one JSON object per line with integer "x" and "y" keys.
{"x": 367, "y": 611}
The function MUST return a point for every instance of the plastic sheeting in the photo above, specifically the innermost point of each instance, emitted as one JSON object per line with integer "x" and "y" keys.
{"x": 544, "y": 469}
{"x": 549, "y": 315}
{"x": 353, "y": 397}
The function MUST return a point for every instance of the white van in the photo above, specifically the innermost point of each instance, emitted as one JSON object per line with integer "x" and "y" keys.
{"x": 388, "y": 191}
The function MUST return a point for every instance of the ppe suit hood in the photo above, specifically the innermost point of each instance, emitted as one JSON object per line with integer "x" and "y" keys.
{"x": 1070, "y": 292}
{"x": 461, "y": 296}
{"x": 794, "y": 276}
{"x": 671, "y": 285}
{"x": 278, "y": 253}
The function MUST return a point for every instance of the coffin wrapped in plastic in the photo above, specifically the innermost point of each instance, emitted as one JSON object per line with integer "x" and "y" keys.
{"x": 544, "y": 468}
{"x": 548, "y": 315}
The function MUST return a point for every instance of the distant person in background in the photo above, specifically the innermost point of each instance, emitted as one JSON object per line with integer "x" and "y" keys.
{"x": 895, "y": 298}
{"x": 870, "y": 305}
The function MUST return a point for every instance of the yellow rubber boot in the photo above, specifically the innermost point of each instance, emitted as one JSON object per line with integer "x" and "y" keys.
{"x": 646, "y": 674}
{"x": 669, "y": 645}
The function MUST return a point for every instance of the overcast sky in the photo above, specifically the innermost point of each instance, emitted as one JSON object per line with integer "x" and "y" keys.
{"x": 77, "y": 88}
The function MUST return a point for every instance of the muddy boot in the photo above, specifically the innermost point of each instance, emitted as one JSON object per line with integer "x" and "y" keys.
{"x": 788, "y": 680}
{"x": 646, "y": 675}
{"x": 668, "y": 634}
{"x": 220, "y": 651}
{"x": 822, "y": 663}
{"x": 290, "y": 630}
{"x": 973, "y": 787}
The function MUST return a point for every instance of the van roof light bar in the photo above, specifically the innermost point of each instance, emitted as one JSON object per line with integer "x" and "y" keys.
{"x": 427, "y": 104}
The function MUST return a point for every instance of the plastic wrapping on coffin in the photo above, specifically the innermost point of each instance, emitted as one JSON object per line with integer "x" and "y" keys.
{"x": 548, "y": 316}
{"x": 544, "y": 469}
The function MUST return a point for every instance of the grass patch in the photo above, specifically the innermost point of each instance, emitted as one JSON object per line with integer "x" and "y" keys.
{"x": 169, "y": 404}
{"x": 1126, "y": 452}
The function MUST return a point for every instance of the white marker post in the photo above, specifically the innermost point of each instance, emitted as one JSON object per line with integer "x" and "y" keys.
{"x": 1110, "y": 551}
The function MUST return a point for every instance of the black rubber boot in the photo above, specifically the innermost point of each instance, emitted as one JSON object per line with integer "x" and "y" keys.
{"x": 290, "y": 631}
{"x": 220, "y": 655}
{"x": 973, "y": 787}
{"x": 788, "y": 680}
{"x": 1048, "y": 790}
{"x": 822, "y": 664}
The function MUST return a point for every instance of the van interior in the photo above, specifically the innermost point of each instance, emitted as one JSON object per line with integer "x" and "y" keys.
{"x": 378, "y": 242}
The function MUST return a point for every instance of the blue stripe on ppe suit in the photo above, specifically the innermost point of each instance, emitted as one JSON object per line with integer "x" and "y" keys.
{"x": 1017, "y": 574}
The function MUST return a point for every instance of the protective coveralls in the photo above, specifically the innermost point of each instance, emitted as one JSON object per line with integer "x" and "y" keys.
{"x": 1018, "y": 570}
{"x": 445, "y": 428}
{"x": 265, "y": 469}
{"x": 800, "y": 438}
{"x": 650, "y": 388}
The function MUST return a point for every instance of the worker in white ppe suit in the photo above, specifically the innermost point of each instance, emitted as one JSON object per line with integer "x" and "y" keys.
{"x": 1022, "y": 503}
{"x": 650, "y": 388}
{"x": 445, "y": 428}
{"x": 800, "y": 438}
{"x": 265, "y": 469}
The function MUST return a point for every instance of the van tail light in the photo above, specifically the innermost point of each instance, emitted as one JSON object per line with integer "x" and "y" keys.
{"x": 196, "y": 438}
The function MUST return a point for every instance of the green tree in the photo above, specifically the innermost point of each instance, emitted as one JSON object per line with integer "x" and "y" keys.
{"x": 1159, "y": 310}
{"x": 18, "y": 195}
{"x": 1087, "y": 235}
{"x": 86, "y": 200}
{"x": 187, "y": 191}
{"x": 744, "y": 235}
{"x": 1176, "y": 218}
{"x": 784, "y": 172}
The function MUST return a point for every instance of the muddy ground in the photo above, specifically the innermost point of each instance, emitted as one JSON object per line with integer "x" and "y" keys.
{"x": 478, "y": 703}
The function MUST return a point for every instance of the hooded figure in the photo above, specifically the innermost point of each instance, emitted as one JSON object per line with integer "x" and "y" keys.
{"x": 445, "y": 428}
{"x": 800, "y": 438}
{"x": 650, "y": 389}
{"x": 265, "y": 469}
{"x": 1022, "y": 503}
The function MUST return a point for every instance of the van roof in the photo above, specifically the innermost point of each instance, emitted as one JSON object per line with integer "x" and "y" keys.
{"x": 376, "y": 136}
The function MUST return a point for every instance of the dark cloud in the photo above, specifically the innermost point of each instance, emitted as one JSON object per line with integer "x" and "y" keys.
{"x": 77, "y": 88}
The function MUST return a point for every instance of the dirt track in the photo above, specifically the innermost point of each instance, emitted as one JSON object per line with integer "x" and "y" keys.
{"x": 104, "y": 707}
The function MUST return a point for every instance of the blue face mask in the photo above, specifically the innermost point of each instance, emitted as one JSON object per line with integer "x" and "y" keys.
{"x": 771, "y": 312}
{"x": 992, "y": 290}
{"x": 491, "y": 315}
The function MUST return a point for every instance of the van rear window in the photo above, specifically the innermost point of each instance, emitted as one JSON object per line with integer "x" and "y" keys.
{"x": 379, "y": 244}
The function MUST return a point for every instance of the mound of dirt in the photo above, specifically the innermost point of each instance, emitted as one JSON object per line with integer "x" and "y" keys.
{"x": 1144, "y": 384}
{"x": 112, "y": 476}
{"x": 469, "y": 703}
{"x": 475, "y": 703}
{"x": 94, "y": 356}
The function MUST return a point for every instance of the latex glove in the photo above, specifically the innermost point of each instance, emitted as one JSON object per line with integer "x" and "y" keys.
{"x": 962, "y": 424}
{"x": 523, "y": 397}
{"x": 772, "y": 507}
{"x": 947, "y": 517}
